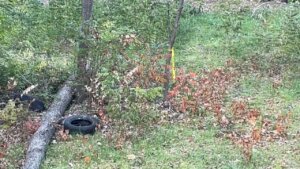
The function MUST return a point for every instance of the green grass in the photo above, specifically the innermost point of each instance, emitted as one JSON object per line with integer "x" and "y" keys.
{"x": 13, "y": 156}
{"x": 169, "y": 147}
{"x": 208, "y": 40}
{"x": 166, "y": 146}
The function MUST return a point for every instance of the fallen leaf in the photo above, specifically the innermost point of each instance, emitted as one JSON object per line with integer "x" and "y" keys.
{"x": 247, "y": 149}
{"x": 280, "y": 129}
{"x": 224, "y": 121}
{"x": 191, "y": 139}
{"x": 63, "y": 135}
{"x": 4, "y": 145}
{"x": 2, "y": 155}
{"x": 183, "y": 105}
{"x": 193, "y": 75}
{"x": 131, "y": 157}
{"x": 256, "y": 135}
{"x": 252, "y": 119}
{"x": 120, "y": 143}
{"x": 87, "y": 160}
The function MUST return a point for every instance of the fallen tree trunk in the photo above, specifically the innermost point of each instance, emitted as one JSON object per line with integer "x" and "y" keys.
{"x": 41, "y": 138}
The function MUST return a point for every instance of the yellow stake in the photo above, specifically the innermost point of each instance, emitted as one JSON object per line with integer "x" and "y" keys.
{"x": 173, "y": 64}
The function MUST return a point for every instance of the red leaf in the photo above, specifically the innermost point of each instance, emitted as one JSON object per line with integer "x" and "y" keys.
{"x": 2, "y": 155}
{"x": 183, "y": 105}
{"x": 252, "y": 116}
{"x": 87, "y": 160}
{"x": 193, "y": 75}
{"x": 256, "y": 135}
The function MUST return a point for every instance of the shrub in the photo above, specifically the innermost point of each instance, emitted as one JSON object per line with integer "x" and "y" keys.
{"x": 11, "y": 113}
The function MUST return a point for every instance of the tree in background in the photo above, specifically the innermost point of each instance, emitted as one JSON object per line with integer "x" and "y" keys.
{"x": 82, "y": 65}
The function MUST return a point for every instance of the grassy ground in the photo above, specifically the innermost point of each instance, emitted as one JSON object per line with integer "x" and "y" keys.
{"x": 172, "y": 146}
{"x": 206, "y": 41}
{"x": 165, "y": 147}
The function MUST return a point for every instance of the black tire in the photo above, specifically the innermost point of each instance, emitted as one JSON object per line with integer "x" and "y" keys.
{"x": 80, "y": 124}
{"x": 37, "y": 106}
{"x": 34, "y": 104}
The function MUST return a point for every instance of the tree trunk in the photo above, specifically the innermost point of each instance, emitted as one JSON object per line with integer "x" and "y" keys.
{"x": 87, "y": 6}
{"x": 172, "y": 39}
{"x": 41, "y": 138}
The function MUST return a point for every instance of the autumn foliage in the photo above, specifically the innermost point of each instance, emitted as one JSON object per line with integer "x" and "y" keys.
{"x": 258, "y": 127}
{"x": 193, "y": 92}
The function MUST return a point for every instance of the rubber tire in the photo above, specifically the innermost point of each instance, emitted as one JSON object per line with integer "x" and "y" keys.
{"x": 34, "y": 104}
{"x": 70, "y": 124}
{"x": 37, "y": 106}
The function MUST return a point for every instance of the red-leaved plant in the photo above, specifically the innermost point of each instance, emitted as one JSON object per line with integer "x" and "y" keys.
{"x": 192, "y": 92}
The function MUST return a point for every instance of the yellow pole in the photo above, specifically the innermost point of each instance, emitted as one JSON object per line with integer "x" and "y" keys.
{"x": 173, "y": 64}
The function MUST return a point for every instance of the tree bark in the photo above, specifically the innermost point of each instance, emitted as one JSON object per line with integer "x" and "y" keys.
{"x": 172, "y": 39}
{"x": 41, "y": 138}
{"x": 87, "y": 6}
